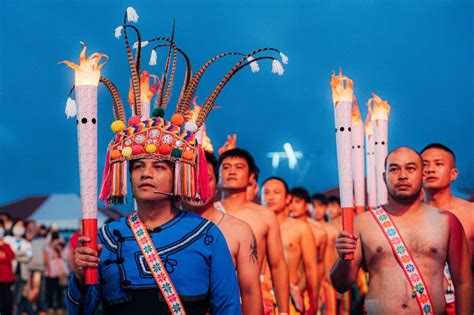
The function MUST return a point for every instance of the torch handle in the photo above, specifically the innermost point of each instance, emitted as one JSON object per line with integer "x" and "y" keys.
{"x": 89, "y": 229}
{"x": 348, "y": 226}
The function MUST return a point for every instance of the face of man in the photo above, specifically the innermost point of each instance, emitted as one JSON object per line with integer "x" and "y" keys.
{"x": 334, "y": 210}
{"x": 438, "y": 169}
{"x": 235, "y": 173}
{"x": 198, "y": 206}
{"x": 150, "y": 175}
{"x": 319, "y": 209}
{"x": 403, "y": 176}
{"x": 252, "y": 190}
{"x": 275, "y": 196}
{"x": 298, "y": 207}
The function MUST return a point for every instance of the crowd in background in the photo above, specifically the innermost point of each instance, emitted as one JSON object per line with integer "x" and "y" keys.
{"x": 35, "y": 262}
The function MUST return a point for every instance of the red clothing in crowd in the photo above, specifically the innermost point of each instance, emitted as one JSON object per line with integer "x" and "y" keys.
{"x": 6, "y": 258}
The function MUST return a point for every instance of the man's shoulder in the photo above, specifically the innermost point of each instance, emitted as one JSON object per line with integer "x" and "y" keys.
{"x": 236, "y": 223}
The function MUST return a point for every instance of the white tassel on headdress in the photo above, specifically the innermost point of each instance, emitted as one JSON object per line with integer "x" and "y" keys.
{"x": 284, "y": 58}
{"x": 253, "y": 64}
{"x": 277, "y": 67}
{"x": 143, "y": 44}
{"x": 118, "y": 31}
{"x": 132, "y": 15}
{"x": 153, "y": 58}
{"x": 71, "y": 108}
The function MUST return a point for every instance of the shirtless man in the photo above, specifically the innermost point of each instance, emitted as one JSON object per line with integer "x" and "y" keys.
{"x": 333, "y": 227}
{"x": 439, "y": 170}
{"x": 298, "y": 208}
{"x": 240, "y": 240}
{"x": 298, "y": 243}
{"x": 236, "y": 171}
{"x": 432, "y": 237}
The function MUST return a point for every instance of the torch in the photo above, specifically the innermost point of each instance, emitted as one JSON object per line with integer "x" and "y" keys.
{"x": 379, "y": 112}
{"x": 148, "y": 89}
{"x": 342, "y": 92}
{"x": 369, "y": 149}
{"x": 358, "y": 158}
{"x": 87, "y": 76}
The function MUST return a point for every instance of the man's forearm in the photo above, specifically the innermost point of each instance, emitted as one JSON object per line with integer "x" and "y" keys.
{"x": 281, "y": 285}
{"x": 343, "y": 275}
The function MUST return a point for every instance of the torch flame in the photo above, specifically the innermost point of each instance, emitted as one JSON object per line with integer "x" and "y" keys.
{"x": 342, "y": 88}
{"x": 356, "y": 117}
{"x": 88, "y": 70}
{"x": 378, "y": 108}
{"x": 147, "y": 91}
{"x": 192, "y": 115}
{"x": 368, "y": 126}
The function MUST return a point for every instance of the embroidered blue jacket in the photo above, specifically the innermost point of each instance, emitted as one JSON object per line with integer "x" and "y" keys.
{"x": 192, "y": 249}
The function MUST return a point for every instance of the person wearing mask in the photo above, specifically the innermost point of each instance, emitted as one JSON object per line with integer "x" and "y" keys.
{"x": 22, "y": 249}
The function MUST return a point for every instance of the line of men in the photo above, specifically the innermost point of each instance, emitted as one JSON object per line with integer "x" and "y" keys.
{"x": 289, "y": 261}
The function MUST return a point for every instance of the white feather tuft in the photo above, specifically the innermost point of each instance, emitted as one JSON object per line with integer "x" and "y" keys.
{"x": 71, "y": 108}
{"x": 153, "y": 58}
{"x": 190, "y": 126}
{"x": 277, "y": 67}
{"x": 118, "y": 31}
{"x": 132, "y": 15}
{"x": 253, "y": 64}
{"x": 143, "y": 44}
{"x": 284, "y": 58}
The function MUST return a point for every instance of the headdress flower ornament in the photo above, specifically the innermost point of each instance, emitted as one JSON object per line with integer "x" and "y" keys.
{"x": 176, "y": 140}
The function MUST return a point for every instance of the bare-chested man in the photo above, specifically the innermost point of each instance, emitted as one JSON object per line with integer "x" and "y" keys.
{"x": 240, "y": 240}
{"x": 298, "y": 208}
{"x": 439, "y": 171}
{"x": 298, "y": 243}
{"x": 432, "y": 237}
{"x": 237, "y": 169}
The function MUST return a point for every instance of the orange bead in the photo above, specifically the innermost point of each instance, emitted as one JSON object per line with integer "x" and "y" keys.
{"x": 115, "y": 154}
{"x": 177, "y": 119}
{"x": 188, "y": 155}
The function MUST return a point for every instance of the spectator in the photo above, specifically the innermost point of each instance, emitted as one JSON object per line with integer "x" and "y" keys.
{"x": 7, "y": 222}
{"x": 55, "y": 269}
{"x": 37, "y": 268}
{"x": 6, "y": 274}
{"x": 22, "y": 249}
{"x": 31, "y": 230}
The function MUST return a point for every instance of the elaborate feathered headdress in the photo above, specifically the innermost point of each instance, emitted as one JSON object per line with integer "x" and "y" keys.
{"x": 176, "y": 140}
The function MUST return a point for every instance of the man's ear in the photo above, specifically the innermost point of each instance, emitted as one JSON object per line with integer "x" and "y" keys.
{"x": 384, "y": 179}
{"x": 288, "y": 199}
{"x": 454, "y": 174}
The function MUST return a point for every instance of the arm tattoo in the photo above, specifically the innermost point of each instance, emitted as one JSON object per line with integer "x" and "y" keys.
{"x": 253, "y": 250}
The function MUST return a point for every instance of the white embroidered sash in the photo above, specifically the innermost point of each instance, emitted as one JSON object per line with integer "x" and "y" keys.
{"x": 155, "y": 265}
{"x": 406, "y": 261}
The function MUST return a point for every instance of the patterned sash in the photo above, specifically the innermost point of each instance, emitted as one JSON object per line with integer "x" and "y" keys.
{"x": 155, "y": 265}
{"x": 420, "y": 291}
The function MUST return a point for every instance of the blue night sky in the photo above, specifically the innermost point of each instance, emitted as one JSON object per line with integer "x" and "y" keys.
{"x": 415, "y": 54}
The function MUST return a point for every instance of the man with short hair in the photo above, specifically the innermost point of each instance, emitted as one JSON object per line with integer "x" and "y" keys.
{"x": 320, "y": 205}
{"x": 439, "y": 171}
{"x": 404, "y": 245}
{"x": 240, "y": 240}
{"x": 237, "y": 168}
{"x": 298, "y": 244}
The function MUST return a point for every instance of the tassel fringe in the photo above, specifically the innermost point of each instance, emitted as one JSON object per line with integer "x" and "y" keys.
{"x": 277, "y": 67}
{"x": 118, "y": 31}
{"x": 153, "y": 58}
{"x": 71, "y": 108}
{"x": 132, "y": 15}
{"x": 253, "y": 64}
